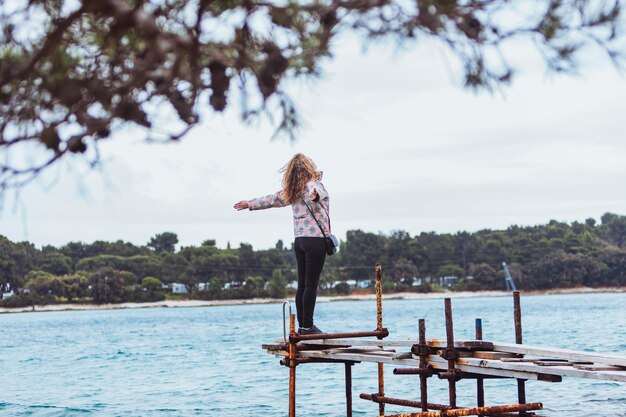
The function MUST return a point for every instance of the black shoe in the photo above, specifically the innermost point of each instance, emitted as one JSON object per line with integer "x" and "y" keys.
{"x": 310, "y": 330}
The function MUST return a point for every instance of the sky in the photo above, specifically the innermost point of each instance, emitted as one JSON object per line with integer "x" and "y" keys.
{"x": 402, "y": 145}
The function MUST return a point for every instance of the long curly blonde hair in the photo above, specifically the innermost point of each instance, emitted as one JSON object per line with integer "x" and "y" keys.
{"x": 296, "y": 173}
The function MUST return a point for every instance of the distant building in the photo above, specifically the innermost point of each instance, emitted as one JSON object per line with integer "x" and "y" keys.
{"x": 6, "y": 291}
{"x": 203, "y": 286}
{"x": 448, "y": 281}
{"x": 416, "y": 282}
{"x": 178, "y": 288}
{"x": 360, "y": 283}
{"x": 293, "y": 285}
{"x": 231, "y": 285}
{"x": 363, "y": 283}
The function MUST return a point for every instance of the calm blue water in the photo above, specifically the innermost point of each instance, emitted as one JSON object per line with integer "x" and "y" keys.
{"x": 208, "y": 361}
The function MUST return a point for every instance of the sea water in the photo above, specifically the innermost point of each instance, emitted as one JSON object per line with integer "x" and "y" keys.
{"x": 208, "y": 360}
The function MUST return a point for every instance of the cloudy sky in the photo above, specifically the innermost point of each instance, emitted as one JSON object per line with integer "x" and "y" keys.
{"x": 401, "y": 144}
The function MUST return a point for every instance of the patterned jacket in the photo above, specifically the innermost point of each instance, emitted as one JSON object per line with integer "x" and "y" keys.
{"x": 303, "y": 224}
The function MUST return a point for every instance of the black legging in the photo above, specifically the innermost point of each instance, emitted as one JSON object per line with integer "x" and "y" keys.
{"x": 310, "y": 254}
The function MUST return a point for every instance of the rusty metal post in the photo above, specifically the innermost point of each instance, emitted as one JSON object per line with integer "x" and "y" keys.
{"x": 480, "y": 388}
{"x": 348, "y": 366}
{"x": 450, "y": 352}
{"x": 424, "y": 366}
{"x": 379, "y": 297}
{"x": 292, "y": 366}
{"x": 379, "y": 326}
{"x": 517, "y": 317}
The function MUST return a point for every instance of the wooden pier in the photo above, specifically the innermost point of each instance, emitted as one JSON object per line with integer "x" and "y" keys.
{"x": 451, "y": 360}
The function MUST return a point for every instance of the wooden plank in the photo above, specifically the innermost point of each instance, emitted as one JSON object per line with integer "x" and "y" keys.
{"x": 408, "y": 343}
{"x": 550, "y": 370}
{"x": 462, "y": 353}
{"x": 599, "y": 367}
{"x": 356, "y": 342}
{"x": 439, "y": 363}
{"x": 595, "y": 357}
{"x": 357, "y": 350}
{"x": 494, "y": 355}
{"x": 537, "y": 374}
{"x": 553, "y": 363}
{"x": 379, "y": 352}
{"x": 274, "y": 347}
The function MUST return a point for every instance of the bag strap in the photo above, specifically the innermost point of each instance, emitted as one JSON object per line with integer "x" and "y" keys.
{"x": 314, "y": 218}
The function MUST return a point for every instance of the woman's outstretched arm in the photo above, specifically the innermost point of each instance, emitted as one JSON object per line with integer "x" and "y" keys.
{"x": 268, "y": 201}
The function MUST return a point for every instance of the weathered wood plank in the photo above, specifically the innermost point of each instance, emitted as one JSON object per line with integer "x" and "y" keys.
{"x": 462, "y": 353}
{"x": 553, "y": 363}
{"x": 493, "y": 355}
{"x": 434, "y": 343}
{"x": 439, "y": 363}
{"x": 595, "y": 357}
{"x": 550, "y": 370}
{"x": 281, "y": 346}
{"x": 356, "y": 342}
{"x": 599, "y": 368}
{"x": 536, "y": 374}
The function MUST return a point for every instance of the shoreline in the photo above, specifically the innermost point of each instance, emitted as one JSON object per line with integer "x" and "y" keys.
{"x": 322, "y": 299}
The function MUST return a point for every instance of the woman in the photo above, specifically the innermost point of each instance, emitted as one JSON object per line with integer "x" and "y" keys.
{"x": 303, "y": 190}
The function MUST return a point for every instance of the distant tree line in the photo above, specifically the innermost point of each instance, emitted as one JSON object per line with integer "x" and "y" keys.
{"x": 554, "y": 255}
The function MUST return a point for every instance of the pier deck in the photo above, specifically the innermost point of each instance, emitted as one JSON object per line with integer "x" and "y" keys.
{"x": 451, "y": 360}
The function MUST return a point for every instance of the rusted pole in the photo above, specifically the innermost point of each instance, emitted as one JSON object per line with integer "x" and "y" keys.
{"x": 348, "y": 368}
{"x": 517, "y": 317}
{"x": 423, "y": 366}
{"x": 487, "y": 411}
{"x": 414, "y": 371}
{"x": 379, "y": 326}
{"x": 379, "y": 333}
{"x": 298, "y": 361}
{"x": 405, "y": 403}
{"x": 292, "y": 366}
{"x": 480, "y": 389}
{"x": 379, "y": 296}
{"x": 450, "y": 352}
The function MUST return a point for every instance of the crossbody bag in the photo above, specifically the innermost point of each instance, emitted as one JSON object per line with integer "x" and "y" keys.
{"x": 332, "y": 243}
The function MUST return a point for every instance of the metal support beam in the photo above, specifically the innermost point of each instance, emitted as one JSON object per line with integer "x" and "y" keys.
{"x": 480, "y": 388}
{"x": 517, "y": 317}
{"x": 486, "y": 411}
{"x": 450, "y": 352}
{"x": 379, "y": 326}
{"x": 423, "y": 365}
{"x": 348, "y": 369}
{"x": 405, "y": 403}
{"x": 292, "y": 366}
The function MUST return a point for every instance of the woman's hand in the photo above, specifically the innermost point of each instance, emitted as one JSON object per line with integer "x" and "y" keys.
{"x": 241, "y": 205}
